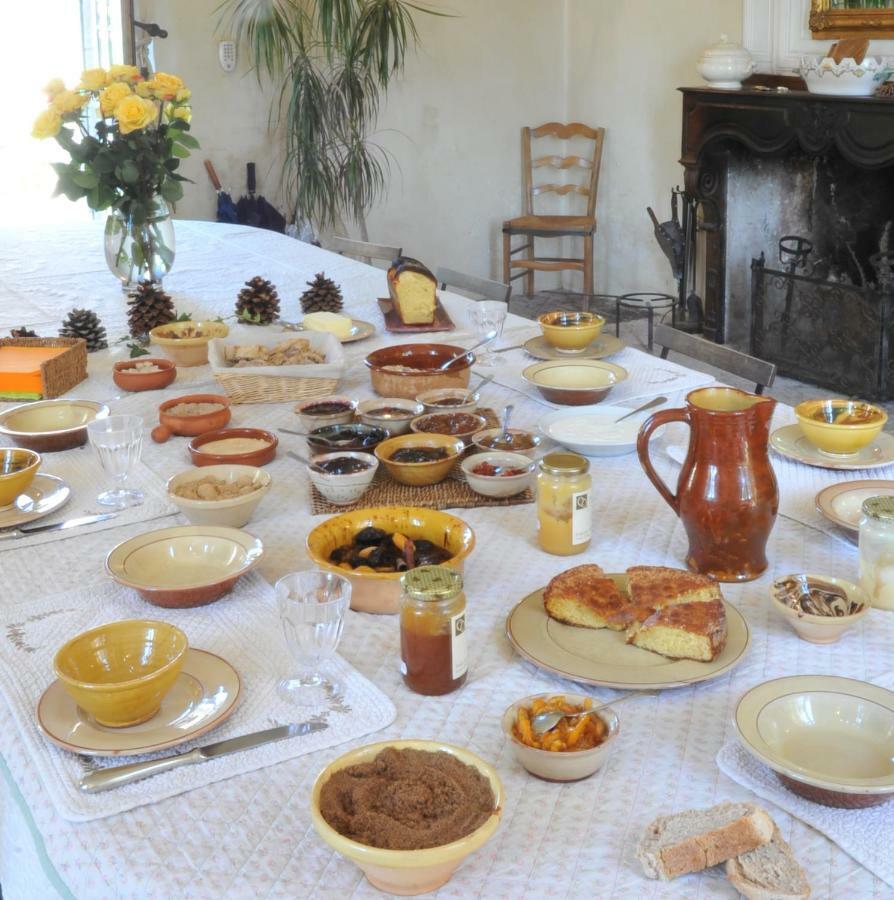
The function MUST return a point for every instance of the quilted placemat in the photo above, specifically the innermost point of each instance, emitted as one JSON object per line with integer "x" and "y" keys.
{"x": 242, "y": 627}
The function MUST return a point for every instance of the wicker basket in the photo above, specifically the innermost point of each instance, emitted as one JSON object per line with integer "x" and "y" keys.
{"x": 273, "y": 388}
{"x": 61, "y": 373}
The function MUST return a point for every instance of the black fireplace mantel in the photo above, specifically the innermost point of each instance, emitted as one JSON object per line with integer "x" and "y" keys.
{"x": 768, "y": 124}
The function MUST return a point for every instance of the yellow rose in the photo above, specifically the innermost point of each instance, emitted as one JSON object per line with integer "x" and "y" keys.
{"x": 165, "y": 87}
{"x": 134, "y": 112}
{"x": 144, "y": 88}
{"x": 53, "y": 87}
{"x": 70, "y": 101}
{"x": 124, "y": 73}
{"x": 182, "y": 112}
{"x": 94, "y": 79}
{"x": 183, "y": 94}
{"x": 112, "y": 96}
{"x": 47, "y": 124}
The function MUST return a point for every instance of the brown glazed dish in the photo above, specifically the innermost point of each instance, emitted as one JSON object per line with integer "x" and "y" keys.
{"x": 406, "y": 370}
{"x": 253, "y": 457}
{"x": 190, "y": 426}
{"x": 727, "y": 497}
{"x": 126, "y": 375}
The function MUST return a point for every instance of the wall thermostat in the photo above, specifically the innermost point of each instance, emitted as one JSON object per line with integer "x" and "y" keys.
{"x": 226, "y": 52}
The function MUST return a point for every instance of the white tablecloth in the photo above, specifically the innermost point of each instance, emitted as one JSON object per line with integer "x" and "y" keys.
{"x": 251, "y": 836}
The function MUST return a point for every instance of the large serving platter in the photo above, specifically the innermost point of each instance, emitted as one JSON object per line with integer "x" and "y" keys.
{"x": 603, "y": 657}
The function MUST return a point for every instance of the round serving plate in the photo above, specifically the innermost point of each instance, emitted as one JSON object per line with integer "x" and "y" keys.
{"x": 598, "y": 348}
{"x": 44, "y": 495}
{"x": 204, "y": 695}
{"x": 603, "y": 657}
{"x": 790, "y": 442}
{"x": 842, "y": 504}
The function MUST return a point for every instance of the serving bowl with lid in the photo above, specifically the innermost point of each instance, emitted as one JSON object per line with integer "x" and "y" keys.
{"x": 46, "y": 426}
{"x": 570, "y": 332}
{"x": 420, "y": 473}
{"x": 232, "y": 512}
{"x": 574, "y": 382}
{"x": 407, "y": 370}
{"x": 840, "y": 427}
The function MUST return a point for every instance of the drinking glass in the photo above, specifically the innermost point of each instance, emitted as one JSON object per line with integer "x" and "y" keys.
{"x": 118, "y": 442}
{"x": 485, "y": 316}
{"x": 312, "y": 607}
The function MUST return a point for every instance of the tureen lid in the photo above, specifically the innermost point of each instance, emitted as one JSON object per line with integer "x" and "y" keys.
{"x": 725, "y": 48}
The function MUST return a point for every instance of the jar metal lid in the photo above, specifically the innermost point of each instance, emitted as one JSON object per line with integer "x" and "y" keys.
{"x": 879, "y": 508}
{"x": 431, "y": 583}
{"x": 563, "y": 463}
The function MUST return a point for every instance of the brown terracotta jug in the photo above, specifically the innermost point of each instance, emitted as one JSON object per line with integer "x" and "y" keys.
{"x": 727, "y": 495}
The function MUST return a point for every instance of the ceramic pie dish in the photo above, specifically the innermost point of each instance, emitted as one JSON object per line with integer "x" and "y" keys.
{"x": 184, "y": 566}
{"x": 50, "y": 425}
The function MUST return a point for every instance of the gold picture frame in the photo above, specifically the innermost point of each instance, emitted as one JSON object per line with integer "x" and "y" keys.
{"x": 828, "y": 20}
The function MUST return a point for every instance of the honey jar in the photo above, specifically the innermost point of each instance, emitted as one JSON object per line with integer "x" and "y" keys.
{"x": 563, "y": 503}
{"x": 877, "y": 551}
{"x": 434, "y": 658}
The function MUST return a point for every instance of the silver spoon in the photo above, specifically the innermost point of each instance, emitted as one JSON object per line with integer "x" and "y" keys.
{"x": 484, "y": 382}
{"x": 307, "y": 462}
{"x": 657, "y": 401}
{"x": 546, "y": 721}
{"x": 491, "y": 335}
{"x": 506, "y": 437}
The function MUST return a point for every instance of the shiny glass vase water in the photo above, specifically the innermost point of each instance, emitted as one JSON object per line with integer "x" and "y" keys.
{"x": 140, "y": 251}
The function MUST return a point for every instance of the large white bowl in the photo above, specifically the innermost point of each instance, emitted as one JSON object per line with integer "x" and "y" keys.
{"x": 591, "y": 430}
{"x": 232, "y": 513}
{"x": 845, "y": 79}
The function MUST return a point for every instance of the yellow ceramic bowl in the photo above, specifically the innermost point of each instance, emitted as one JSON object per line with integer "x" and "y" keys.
{"x": 820, "y": 422}
{"x": 422, "y": 472}
{"x": 120, "y": 672}
{"x": 17, "y": 470}
{"x": 570, "y": 332}
{"x": 379, "y": 592}
{"x": 407, "y": 872}
{"x": 187, "y": 342}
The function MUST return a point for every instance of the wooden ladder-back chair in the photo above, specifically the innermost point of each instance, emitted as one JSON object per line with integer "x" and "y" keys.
{"x": 347, "y": 247}
{"x": 479, "y": 288}
{"x": 532, "y": 226}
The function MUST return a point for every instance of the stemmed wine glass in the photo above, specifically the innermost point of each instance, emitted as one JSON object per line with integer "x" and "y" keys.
{"x": 312, "y": 607}
{"x": 486, "y": 316}
{"x": 118, "y": 442}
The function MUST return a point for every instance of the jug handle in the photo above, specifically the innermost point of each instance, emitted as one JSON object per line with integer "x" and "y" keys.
{"x": 662, "y": 417}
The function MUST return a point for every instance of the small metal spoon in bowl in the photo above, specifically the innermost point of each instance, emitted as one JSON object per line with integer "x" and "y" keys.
{"x": 546, "y": 721}
{"x": 505, "y": 436}
{"x": 491, "y": 335}
{"x": 307, "y": 462}
{"x": 657, "y": 401}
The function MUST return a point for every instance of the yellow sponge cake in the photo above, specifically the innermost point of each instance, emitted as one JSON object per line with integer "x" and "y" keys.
{"x": 413, "y": 289}
{"x": 586, "y": 597}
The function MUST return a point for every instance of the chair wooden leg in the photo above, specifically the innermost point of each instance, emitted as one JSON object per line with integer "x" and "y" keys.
{"x": 529, "y": 275}
{"x": 588, "y": 264}
{"x": 507, "y": 252}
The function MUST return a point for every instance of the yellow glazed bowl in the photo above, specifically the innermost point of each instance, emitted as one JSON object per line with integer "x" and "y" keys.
{"x": 187, "y": 342}
{"x": 837, "y": 437}
{"x": 422, "y": 472}
{"x": 407, "y": 872}
{"x": 379, "y": 592}
{"x": 570, "y": 332}
{"x": 17, "y": 470}
{"x": 120, "y": 672}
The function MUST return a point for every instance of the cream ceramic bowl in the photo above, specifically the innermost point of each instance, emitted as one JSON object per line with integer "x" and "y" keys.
{"x": 343, "y": 490}
{"x": 309, "y": 421}
{"x": 17, "y": 470}
{"x": 433, "y": 400}
{"x": 49, "y": 425}
{"x": 499, "y": 485}
{"x": 393, "y": 424}
{"x": 184, "y": 566}
{"x": 231, "y": 513}
{"x": 554, "y": 766}
{"x": 407, "y": 872}
{"x": 574, "y": 382}
{"x": 187, "y": 342}
{"x": 483, "y": 441}
{"x": 828, "y": 739}
{"x": 821, "y": 629}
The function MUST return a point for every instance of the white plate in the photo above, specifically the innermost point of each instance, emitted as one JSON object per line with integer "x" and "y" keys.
{"x": 843, "y": 503}
{"x": 589, "y": 430}
{"x": 203, "y": 696}
{"x": 790, "y": 442}
{"x": 45, "y": 494}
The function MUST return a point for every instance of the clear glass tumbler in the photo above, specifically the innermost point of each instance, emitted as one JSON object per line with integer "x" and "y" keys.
{"x": 118, "y": 442}
{"x": 485, "y": 316}
{"x": 312, "y": 608}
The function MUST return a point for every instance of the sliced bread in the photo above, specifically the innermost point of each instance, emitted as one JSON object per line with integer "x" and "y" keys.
{"x": 683, "y": 631}
{"x": 585, "y": 596}
{"x": 693, "y": 840}
{"x": 770, "y": 872}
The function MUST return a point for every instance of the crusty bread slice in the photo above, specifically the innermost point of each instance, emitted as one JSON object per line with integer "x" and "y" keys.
{"x": 683, "y": 631}
{"x": 585, "y": 597}
{"x": 770, "y": 872}
{"x": 698, "y": 838}
{"x": 654, "y": 587}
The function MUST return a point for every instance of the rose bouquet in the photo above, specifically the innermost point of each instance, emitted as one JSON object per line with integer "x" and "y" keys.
{"x": 126, "y": 136}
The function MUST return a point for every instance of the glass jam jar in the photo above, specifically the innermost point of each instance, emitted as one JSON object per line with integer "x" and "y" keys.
{"x": 563, "y": 503}
{"x": 434, "y": 658}
{"x": 877, "y": 551}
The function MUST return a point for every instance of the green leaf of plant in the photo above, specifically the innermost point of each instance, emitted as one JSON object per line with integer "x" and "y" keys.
{"x": 85, "y": 180}
{"x": 171, "y": 190}
{"x": 187, "y": 140}
{"x": 128, "y": 172}
{"x": 136, "y": 350}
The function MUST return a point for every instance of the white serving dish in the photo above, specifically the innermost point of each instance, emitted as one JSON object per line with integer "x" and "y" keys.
{"x": 499, "y": 485}
{"x": 725, "y": 65}
{"x": 845, "y": 79}
{"x": 231, "y": 513}
{"x": 589, "y": 430}
{"x": 342, "y": 490}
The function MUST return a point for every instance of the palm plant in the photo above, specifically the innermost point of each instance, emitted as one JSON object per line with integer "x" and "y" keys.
{"x": 334, "y": 60}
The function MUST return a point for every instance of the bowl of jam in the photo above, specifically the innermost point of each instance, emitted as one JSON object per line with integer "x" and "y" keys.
{"x": 499, "y": 474}
{"x": 394, "y": 414}
{"x": 334, "y": 410}
{"x": 363, "y": 438}
{"x": 342, "y": 476}
{"x": 457, "y": 424}
{"x": 449, "y": 400}
{"x": 517, "y": 441}
{"x": 420, "y": 459}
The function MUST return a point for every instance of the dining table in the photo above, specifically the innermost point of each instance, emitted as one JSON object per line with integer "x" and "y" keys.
{"x": 250, "y": 835}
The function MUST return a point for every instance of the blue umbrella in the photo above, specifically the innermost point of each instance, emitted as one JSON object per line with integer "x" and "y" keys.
{"x": 226, "y": 209}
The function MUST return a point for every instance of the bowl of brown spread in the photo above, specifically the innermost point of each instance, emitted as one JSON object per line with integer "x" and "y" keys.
{"x": 407, "y": 812}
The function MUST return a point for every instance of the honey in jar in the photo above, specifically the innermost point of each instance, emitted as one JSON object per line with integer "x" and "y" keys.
{"x": 433, "y": 630}
{"x": 563, "y": 503}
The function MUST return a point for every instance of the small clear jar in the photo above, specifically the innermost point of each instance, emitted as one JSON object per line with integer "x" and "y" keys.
{"x": 434, "y": 656}
{"x": 563, "y": 504}
{"x": 877, "y": 551}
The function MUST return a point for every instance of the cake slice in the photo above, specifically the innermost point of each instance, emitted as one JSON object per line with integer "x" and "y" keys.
{"x": 683, "y": 631}
{"x": 413, "y": 289}
{"x": 585, "y": 596}
{"x": 698, "y": 838}
{"x": 769, "y": 872}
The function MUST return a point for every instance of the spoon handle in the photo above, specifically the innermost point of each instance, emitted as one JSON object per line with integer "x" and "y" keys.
{"x": 507, "y": 413}
{"x": 655, "y": 401}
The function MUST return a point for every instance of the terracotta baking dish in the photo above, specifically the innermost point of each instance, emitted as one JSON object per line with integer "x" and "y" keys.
{"x": 126, "y": 375}
{"x": 190, "y": 426}
{"x": 389, "y": 381}
{"x": 259, "y": 457}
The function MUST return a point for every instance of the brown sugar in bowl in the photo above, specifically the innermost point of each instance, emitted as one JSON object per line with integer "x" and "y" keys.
{"x": 126, "y": 375}
{"x": 259, "y": 457}
{"x": 406, "y": 370}
{"x": 190, "y": 426}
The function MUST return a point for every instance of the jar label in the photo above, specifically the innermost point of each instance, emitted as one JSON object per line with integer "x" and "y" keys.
{"x": 458, "y": 651}
{"x": 581, "y": 520}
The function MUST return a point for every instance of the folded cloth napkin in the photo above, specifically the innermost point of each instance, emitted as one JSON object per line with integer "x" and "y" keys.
{"x": 243, "y": 628}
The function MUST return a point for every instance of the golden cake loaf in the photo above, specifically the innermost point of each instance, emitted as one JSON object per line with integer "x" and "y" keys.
{"x": 413, "y": 290}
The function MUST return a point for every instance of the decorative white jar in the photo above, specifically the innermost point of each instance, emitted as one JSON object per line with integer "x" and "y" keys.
{"x": 724, "y": 65}
{"x": 877, "y": 551}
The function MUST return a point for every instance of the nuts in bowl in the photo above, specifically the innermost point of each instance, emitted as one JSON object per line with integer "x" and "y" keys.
{"x": 225, "y": 495}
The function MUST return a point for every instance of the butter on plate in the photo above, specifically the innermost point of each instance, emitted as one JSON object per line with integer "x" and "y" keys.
{"x": 334, "y": 323}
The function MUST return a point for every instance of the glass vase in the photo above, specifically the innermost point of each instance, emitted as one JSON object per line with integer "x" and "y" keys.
{"x": 140, "y": 251}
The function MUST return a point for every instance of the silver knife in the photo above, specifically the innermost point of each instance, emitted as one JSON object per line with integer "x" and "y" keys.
{"x": 56, "y": 526}
{"x": 106, "y": 779}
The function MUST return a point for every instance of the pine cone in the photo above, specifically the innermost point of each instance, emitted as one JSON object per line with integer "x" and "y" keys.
{"x": 22, "y": 332}
{"x": 148, "y": 307}
{"x": 84, "y": 323}
{"x": 258, "y": 302}
{"x": 322, "y": 295}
